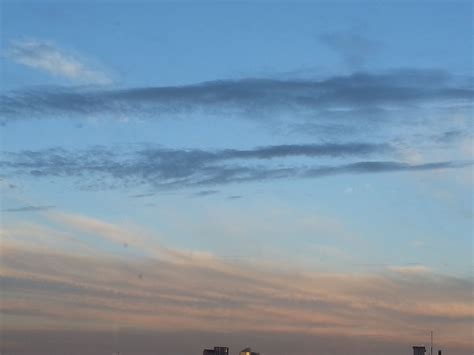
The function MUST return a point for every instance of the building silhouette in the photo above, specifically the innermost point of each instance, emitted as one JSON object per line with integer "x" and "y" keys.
{"x": 218, "y": 350}
{"x": 419, "y": 350}
{"x": 248, "y": 351}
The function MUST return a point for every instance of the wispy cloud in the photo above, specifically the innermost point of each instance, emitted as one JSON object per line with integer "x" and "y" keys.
{"x": 204, "y": 193}
{"x": 167, "y": 168}
{"x": 354, "y": 49}
{"x": 411, "y": 269}
{"x": 246, "y": 96}
{"x": 450, "y": 136}
{"x": 28, "y": 209}
{"x": 48, "y": 57}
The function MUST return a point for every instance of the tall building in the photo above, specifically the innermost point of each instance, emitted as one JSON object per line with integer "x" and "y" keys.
{"x": 419, "y": 350}
{"x": 218, "y": 350}
{"x": 248, "y": 351}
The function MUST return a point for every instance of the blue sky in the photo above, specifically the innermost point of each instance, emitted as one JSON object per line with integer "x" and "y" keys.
{"x": 287, "y": 139}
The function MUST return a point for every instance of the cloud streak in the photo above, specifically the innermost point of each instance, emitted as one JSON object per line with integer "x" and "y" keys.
{"x": 167, "y": 168}
{"x": 28, "y": 209}
{"x": 46, "y": 56}
{"x": 244, "y": 97}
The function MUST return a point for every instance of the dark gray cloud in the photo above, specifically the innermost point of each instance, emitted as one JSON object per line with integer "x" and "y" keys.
{"x": 382, "y": 167}
{"x": 171, "y": 169}
{"x": 150, "y": 194}
{"x": 245, "y": 96}
{"x": 97, "y": 156}
{"x": 450, "y": 136}
{"x": 310, "y": 150}
{"x": 28, "y": 209}
{"x": 204, "y": 193}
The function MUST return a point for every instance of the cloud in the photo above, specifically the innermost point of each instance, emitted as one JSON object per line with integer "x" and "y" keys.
{"x": 398, "y": 88}
{"x": 411, "y": 269}
{"x": 56, "y": 287}
{"x": 451, "y": 136}
{"x": 179, "y": 296}
{"x": 46, "y": 56}
{"x": 133, "y": 238}
{"x": 353, "y": 48}
{"x": 5, "y": 184}
{"x": 384, "y": 166}
{"x": 309, "y": 150}
{"x": 204, "y": 193}
{"x": 150, "y": 194}
{"x": 172, "y": 169}
{"x": 28, "y": 209}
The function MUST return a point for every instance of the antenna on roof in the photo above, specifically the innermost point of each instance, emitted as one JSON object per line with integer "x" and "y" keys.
{"x": 431, "y": 347}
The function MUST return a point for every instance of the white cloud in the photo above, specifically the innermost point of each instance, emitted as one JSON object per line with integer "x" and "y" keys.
{"x": 411, "y": 269}
{"x": 46, "y": 56}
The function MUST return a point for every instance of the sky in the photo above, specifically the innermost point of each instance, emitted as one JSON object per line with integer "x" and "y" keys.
{"x": 292, "y": 176}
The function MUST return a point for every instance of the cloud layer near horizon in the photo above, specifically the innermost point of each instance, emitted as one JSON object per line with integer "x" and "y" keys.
{"x": 46, "y": 287}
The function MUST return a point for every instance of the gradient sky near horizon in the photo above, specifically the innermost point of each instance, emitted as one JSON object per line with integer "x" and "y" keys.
{"x": 292, "y": 176}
